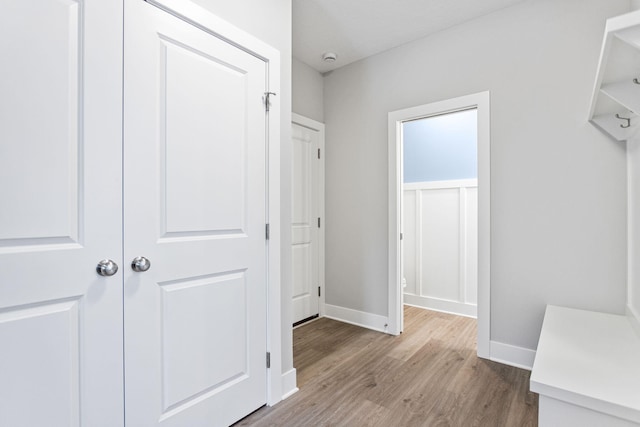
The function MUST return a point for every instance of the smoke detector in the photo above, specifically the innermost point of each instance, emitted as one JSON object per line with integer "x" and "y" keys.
{"x": 329, "y": 57}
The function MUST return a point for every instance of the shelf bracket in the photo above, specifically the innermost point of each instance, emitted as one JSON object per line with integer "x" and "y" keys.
{"x": 628, "y": 119}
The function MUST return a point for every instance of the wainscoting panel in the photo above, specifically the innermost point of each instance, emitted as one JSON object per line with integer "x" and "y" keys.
{"x": 440, "y": 245}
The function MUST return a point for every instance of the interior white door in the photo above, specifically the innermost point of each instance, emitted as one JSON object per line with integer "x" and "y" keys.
{"x": 195, "y": 196}
{"x": 60, "y": 191}
{"x": 305, "y": 222}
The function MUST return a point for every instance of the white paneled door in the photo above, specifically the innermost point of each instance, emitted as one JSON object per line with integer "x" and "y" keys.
{"x": 60, "y": 213}
{"x": 305, "y": 221}
{"x": 177, "y": 335}
{"x": 194, "y": 171}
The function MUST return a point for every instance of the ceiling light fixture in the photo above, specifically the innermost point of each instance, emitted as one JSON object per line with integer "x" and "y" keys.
{"x": 329, "y": 57}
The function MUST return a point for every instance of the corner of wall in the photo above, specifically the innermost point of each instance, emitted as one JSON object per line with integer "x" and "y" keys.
{"x": 634, "y": 319}
{"x": 289, "y": 387}
{"x": 511, "y": 355}
{"x": 307, "y": 87}
{"x": 358, "y": 318}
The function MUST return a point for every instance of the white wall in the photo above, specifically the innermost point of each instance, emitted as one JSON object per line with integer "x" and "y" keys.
{"x": 440, "y": 148}
{"x": 271, "y": 22}
{"x": 307, "y": 87}
{"x": 558, "y": 185}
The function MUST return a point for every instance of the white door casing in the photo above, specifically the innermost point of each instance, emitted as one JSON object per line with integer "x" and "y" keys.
{"x": 307, "y": 250}
{"x": 195, "y": 206}
{"x": 481, "y": 101}
{"x": 60, "y": 190}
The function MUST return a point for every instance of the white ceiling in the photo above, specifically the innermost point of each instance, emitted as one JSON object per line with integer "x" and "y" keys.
{"x": 355, "y": 29}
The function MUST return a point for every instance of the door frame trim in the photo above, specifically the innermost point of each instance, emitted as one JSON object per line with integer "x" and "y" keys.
{"x": 207, "y": 21}
{"x": 318, "y": 127}
{"x": 482, "y": 102}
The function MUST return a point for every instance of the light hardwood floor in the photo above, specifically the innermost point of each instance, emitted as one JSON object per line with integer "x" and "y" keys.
{"x": 428, "y": 376}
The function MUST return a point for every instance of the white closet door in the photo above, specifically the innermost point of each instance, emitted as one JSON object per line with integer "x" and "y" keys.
{"x": 60, "y": 214}
{"x": 304, "y": 222}
{"x": 195, "y": 195}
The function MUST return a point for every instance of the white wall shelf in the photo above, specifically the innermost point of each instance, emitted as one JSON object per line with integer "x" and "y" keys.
{"x": 615, "y": 93}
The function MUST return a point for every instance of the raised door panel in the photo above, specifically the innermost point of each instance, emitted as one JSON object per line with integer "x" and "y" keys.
{"x": 52, "y": 383}
{"x": 60, "y": 186}
{"x": 188, "y": 367}
{"x": 195, "y": 197}
{"x": 204, "y": 145}
{"x": 41, "y": 123}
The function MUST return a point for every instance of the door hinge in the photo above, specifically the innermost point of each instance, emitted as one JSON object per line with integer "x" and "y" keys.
{"x": 268, "y": 360}
{"x": 318, "y": 222}
{"x": 318, "y": 153}
{"x": 401, "y": 236}
{"x": 319, "y": 294}
{"x": 266, "y": 231}
{"x": 267, "y": 99}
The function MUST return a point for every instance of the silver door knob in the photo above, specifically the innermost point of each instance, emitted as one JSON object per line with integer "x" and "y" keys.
{"x": 106, "y": 267}
{"x": 140, "y": 264}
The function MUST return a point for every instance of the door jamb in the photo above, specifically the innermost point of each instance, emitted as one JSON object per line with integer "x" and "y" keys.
{"x": 481, "y": 101}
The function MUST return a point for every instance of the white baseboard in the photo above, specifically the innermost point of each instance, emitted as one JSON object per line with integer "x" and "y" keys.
{"x": 358, "y": 318}
{"x": 507, "y": 354}
{"x": 634, "y": 319}
{"x": 444, "y": 306}
{"x": 511, "y": 355}
{"x": 289, "y": 383}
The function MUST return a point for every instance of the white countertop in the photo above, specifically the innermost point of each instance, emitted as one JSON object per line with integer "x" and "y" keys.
{"x": 589, "y": 359}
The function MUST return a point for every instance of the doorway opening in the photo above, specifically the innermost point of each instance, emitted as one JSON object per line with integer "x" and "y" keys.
{"x": 440, "y": 212}
{"x": 449, "y": 270}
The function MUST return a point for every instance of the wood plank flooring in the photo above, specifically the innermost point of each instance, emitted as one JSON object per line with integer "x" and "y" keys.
{"x": 428, "y": 376}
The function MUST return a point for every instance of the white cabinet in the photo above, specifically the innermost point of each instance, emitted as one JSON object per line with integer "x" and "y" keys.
{"x": 615, "y": 106}
{"x": 587, "y": 370}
